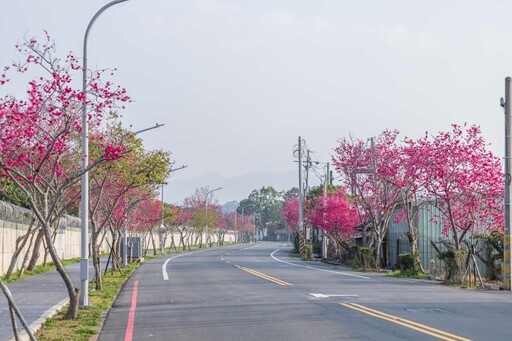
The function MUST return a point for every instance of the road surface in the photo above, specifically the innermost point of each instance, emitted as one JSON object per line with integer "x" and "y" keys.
{"x": 262, "y": 292}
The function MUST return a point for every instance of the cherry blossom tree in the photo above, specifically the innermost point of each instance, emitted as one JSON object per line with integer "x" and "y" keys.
{"x": 111, "y": 181}
{"x": 145, "y": 218}
{"x": 204, "y": 213}
{"x": 412, "y": 192}
{"x": 453, "y": 172}
{"x": 291, "y": 214}
{"x": 178, "y": 219}
{"x": 367, "y": 171}
{"x": 124, "y": 219}
{"x": 464, "y": 182}
{"x": 39, "y": 134}
{"x": 222, "y": 225}
{"x": 337, "y": 217}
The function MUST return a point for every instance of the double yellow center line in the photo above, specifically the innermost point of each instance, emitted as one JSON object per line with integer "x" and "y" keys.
{"x": 406, "y": 323}
{"x": 262, "y": 275}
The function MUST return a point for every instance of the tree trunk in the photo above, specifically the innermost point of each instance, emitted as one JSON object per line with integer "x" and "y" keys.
{"x": 173, "y": 244}
{"x": 36, "y": 250}
{"x": 377, "y": 250}
{"x": 130, "y": 254}
{"x": 96, "y": 257}
{"x": 153, "y": 242}
{"x": 45, "y": 253}
{"x": 412, "y": 236}
{"x": 183, "y": 240}
{"x": 26, "y": 257}
{"x": 114, "y": 250}
{"x": 117, "y": 251}
{"x": 20, "y": 245}
{"x": 73, "y": 292}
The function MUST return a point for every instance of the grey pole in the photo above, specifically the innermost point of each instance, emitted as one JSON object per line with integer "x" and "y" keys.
{"x": 206, "y": 212}
{"x": 254, "y": 223}
{"x": 157, "y": 125}
{"x": 125, "y": 233}
{"x": 84, "y": 241}
{"x": 301, "y": 203}
{"x": 162, "y": 226}
{"x": 324, "y": 237}
{"x": 508, "y": 187}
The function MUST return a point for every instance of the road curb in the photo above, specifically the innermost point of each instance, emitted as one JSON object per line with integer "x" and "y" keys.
{"x": 34, "y": 326}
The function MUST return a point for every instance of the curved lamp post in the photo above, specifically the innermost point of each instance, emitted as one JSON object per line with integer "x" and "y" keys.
{"x": 161, "y": 228}
{"x": 206, "y": 211}
{"x": 84, "y": 241}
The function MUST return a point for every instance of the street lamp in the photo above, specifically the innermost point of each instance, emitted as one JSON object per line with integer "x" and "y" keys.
{"x": 243, "y": 222}
{"x": 206, "y": 212}
{"x": 84, "y": 242}
{"x": 161, "y": 229}
{"x": 125, "y": 237}
{"x": 507, "y": 237}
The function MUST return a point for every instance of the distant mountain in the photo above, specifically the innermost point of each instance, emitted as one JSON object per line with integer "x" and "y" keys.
{"x": 230, "y": 207}
{"x": 233, "y": 189}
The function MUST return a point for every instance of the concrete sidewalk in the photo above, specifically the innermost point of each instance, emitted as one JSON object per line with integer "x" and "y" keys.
{"x": 38, "y": 297}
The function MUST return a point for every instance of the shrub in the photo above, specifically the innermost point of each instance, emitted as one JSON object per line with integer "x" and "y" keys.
{"x": 454, "y": 264}
{"x": 308, "y": 252}
{"x": 363, "y": 258}
{"x": 405, "y": 262}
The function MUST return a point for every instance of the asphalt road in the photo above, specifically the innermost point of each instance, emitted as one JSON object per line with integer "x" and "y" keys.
{"x": 261, "y": 292}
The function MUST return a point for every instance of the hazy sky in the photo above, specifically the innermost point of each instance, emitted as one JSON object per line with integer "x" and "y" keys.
{"x": 236, "y": 82}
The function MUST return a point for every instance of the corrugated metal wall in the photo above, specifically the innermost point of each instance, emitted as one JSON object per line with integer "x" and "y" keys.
{"x": 428, "y": 230}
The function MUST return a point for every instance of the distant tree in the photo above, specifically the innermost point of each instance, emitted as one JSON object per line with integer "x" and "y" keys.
{"x": 203, "y": 208}
{"x": 178, "y": 219}
{"x": 291, "y": 194}
{"x": 269, "y": 203}
{"x": 222, "y": 225}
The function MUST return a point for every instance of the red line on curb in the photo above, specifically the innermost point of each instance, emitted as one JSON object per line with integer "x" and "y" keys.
{"x": 131, "y": 316}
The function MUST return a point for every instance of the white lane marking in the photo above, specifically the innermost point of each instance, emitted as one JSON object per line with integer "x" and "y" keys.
{"x": 328, "y": 296}
{"x": 312, "y": 268}
{"x": 251, "y": 247}
{"x": 164, "y": 266}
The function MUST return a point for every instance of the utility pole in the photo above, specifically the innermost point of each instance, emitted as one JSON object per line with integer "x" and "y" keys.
{"x": 301, "y": 203}
{"x": 324, "y": 237}
{"x": 306, "y": 187}
{"x": 508, "y": 187}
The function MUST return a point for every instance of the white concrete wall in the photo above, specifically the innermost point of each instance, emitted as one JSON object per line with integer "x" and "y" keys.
{"x": 14, "y": 223}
